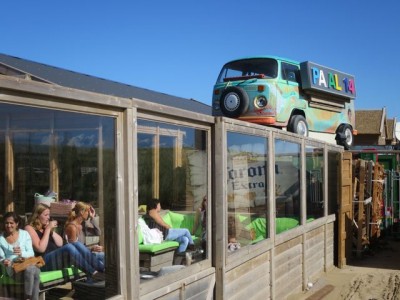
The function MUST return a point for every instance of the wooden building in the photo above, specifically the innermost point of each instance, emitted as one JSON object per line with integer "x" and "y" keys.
{"x": 374, "y": 128}
{"x": 273, "y": 196}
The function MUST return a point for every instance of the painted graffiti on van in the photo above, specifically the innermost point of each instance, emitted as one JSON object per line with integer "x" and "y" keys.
{"x": 300, "y": 97}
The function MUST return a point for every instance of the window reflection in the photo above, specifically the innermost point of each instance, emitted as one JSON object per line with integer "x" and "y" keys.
{"x": 71, "y": 154}
{"x": 173, "y": 168}
{"x": 334, "y": 160}
{"x": 314, "y": 182}
{"x": 287, "y": 185}
{"x": 246, "y": 190}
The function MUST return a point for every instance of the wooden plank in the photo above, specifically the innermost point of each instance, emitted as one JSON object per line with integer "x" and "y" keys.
{"x": 345, "y": 208}
{"x": 361, "y": 218}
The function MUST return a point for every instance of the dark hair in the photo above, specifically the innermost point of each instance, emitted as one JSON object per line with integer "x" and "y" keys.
{"x": 152, "y": 204}
{"x": 11, "y": 214}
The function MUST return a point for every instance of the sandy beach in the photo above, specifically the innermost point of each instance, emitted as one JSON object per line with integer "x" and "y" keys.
{"x": 374, "y": 275}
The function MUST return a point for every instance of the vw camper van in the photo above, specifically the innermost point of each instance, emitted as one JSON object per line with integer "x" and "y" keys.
{"x": 283, "y": 93}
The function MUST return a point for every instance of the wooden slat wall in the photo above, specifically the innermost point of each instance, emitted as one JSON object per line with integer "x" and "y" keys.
{"x": 288, "y": 268}
{"x": 314, "y": 255}
{"x": 240, "y": 281}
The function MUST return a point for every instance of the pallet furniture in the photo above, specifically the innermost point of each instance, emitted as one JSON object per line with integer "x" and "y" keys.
{"x": 48, "y": 280}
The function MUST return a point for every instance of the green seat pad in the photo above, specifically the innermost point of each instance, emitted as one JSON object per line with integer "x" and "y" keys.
{"x": 177, "y": 220}
{"x": 45, "y": 276}
{"x": 140, "y": 235}
{"x": 6, "y": 280}
{"x": 283, "y": 224}
{"x": 154, "y": 248}
{"x": 48, "y": 276}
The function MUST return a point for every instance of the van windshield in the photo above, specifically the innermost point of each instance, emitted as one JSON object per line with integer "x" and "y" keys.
{"x": 249, "y": 68}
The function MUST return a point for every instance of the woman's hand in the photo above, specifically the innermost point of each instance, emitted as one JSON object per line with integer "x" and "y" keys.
{"x": 7, "y": 262}
{"x": 17, "y": 250}
{"x": 97, "y": 248}
{"x": 92, "y": 212}
{"x": 52, "y": 224}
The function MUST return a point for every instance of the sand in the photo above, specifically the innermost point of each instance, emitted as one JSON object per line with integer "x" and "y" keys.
{"x": 375, "y": 275}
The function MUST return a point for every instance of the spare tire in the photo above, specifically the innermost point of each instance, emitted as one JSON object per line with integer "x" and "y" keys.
{"x": 234, "y": 102}
{"x": 344, "y": 136}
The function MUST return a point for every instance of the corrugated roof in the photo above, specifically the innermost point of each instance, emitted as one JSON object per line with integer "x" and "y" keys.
{"x": 90, "y": 83}
{"x": 369, "y": 121}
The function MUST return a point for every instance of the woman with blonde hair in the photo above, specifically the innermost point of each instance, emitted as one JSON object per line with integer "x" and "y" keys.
{"x": 75, "y": 228}
{"x": 49, "y": 244}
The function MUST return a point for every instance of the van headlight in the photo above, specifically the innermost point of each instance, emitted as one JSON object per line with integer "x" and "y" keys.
{"x": 260, "y": 102}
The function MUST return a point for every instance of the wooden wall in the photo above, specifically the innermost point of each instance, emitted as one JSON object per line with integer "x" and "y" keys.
{"x": 249, "y": 280}
{"x": 284, "y": 269}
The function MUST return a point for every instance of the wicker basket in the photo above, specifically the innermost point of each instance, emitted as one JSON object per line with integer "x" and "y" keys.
{"x": 61, "y": 208}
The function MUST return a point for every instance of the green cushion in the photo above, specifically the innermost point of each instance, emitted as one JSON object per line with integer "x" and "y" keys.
{"x": 177, "y": 220}
{"x": 260, "y": 227}
{"x": 140, "y": 235}
{"x": 6, "y": 280}
{"x": 48, "y": 276}
{"x": 154, "y": 248}
{"x": 45, "y": 276}
{"x": 283, "y": 224}
{"x": 167, "y": 218}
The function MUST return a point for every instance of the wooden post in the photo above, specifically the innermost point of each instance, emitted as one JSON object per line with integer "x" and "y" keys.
{"x": 361, "y": 217}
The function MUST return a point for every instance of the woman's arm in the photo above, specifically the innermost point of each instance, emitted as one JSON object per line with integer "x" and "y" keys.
{"x": 58, "y": 239}
{"x": 38, "y": 244}
{"x": 157, "y": 218}
{"x": 71, "y": 233}
{"x": 92, "y": 226}
{"x": 26, "y": 245}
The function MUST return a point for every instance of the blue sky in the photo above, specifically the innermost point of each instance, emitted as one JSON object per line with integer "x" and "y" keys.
{"x": 178, "y": 47}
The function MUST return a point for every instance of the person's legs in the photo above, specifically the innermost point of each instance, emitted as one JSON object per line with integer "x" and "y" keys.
{"x": 89, "y": 257}
{"x": 100, "y": 257}
{"x": 31, "y": 282}
{"x": 66, "y": 256}
{"x": 182, "y": 236}
{"x": 53, "y": 260}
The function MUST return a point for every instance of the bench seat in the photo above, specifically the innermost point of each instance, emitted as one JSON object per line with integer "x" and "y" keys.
{"x": 48, "y": 280}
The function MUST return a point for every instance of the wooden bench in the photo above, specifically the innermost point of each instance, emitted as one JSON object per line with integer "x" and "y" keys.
{"x": 153, "y": 257}
{"x": 48, "y": 280}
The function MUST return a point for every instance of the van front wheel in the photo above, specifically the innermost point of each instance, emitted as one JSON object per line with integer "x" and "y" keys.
{"x": 298, "y": 124}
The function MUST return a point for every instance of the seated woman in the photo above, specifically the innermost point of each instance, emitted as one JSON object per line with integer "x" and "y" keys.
{"x": 49, "y": 244}
{"x": 16, "y": 243}
{"x": 154, "y": 220}
{"x": 201, "y": 220}
{"x": 75, "y": 228}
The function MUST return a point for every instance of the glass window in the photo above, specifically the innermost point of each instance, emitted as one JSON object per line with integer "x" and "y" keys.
{"x": 71, "y": 154}
{"x": 334, "y": 161}
{"x": 314, "y": 182}
{"x": 246, "y": 190}
{"x": 290, "y": 72}
{"x": 287, "y": 185}
{"x": 2, "y": 169}
{"x": 173, "y": 168}
{"x": 249, "y": 67}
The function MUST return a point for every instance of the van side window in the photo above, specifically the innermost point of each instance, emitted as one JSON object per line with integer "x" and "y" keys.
{"x": 290, "y": 72}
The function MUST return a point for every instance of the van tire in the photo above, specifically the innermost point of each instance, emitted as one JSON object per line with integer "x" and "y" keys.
{"x": 234, "y": 102}
{"x": 344, "y": 136}
{"x": 298, "y": 125}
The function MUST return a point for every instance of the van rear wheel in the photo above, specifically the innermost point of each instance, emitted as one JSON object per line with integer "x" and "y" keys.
{"x": 298, "y": 124}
